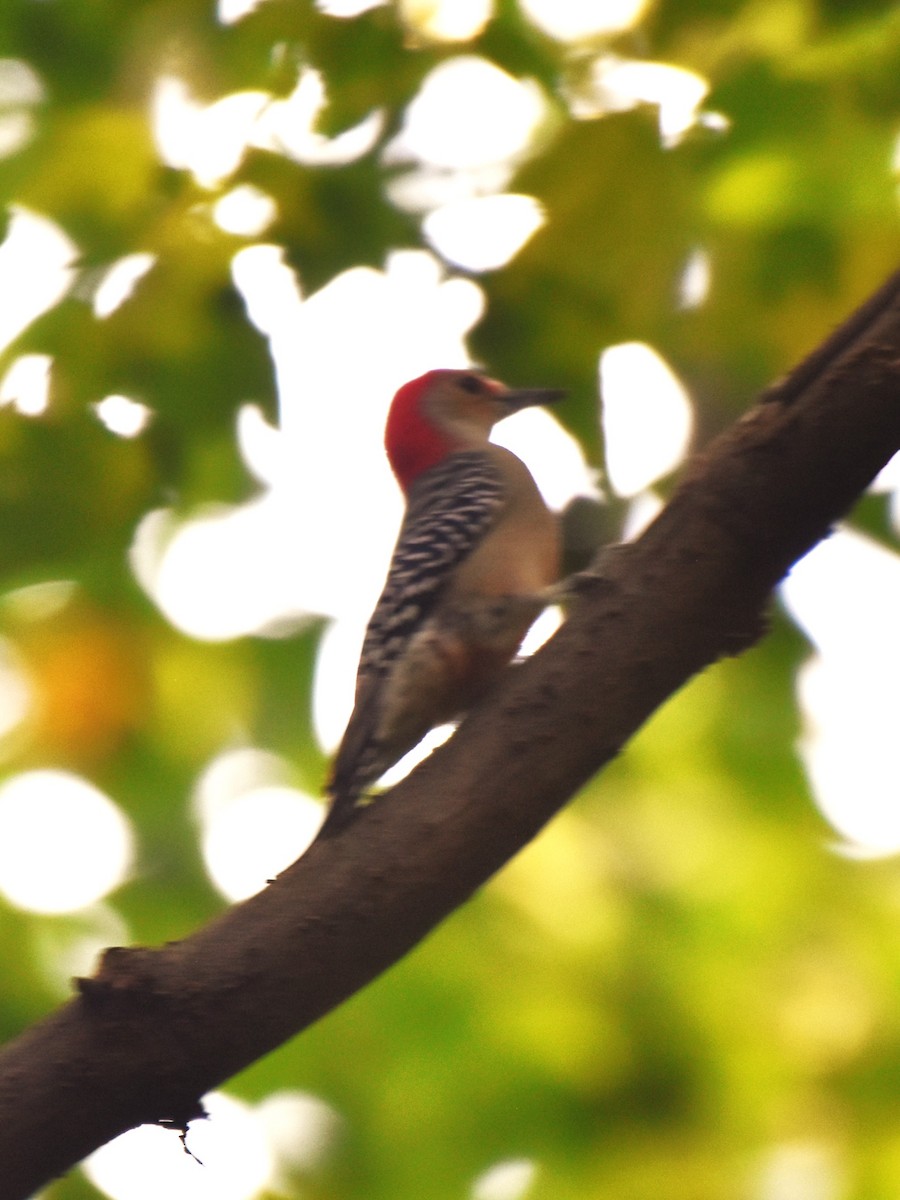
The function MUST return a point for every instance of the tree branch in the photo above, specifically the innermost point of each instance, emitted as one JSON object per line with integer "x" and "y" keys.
{"x": 156, "y": 1029}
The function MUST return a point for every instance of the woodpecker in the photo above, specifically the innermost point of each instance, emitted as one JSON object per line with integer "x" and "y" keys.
{"x": 477, "y": 548}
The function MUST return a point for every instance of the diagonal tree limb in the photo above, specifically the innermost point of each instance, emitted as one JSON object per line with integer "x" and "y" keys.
{"x": 156, "y": 1029}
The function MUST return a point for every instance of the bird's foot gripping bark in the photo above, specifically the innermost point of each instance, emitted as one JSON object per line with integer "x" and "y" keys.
{"x": 581, "y": 583}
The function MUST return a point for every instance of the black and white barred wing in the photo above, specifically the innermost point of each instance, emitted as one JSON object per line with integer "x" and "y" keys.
{"x": 450, "y": 509}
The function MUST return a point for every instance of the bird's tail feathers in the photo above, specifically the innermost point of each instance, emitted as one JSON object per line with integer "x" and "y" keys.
{"x": 352, "y": 771}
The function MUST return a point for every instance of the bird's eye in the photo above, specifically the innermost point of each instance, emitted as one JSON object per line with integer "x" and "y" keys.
{"x": 472, "y": 383}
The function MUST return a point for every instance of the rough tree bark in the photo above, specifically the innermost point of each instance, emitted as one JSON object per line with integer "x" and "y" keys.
{"x": 157, "y": 1028}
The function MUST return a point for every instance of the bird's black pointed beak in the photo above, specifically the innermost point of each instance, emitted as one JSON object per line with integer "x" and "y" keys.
{"x": 518, "y": 398}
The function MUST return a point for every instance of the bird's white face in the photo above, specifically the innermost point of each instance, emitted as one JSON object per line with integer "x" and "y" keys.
{"x": 466, "y": 405}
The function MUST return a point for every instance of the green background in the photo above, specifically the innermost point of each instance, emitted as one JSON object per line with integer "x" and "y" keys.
{"x": 678, "y": 975}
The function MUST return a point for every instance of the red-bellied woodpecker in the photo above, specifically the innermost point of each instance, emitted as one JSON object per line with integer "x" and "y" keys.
{"x": 476, "y": 550}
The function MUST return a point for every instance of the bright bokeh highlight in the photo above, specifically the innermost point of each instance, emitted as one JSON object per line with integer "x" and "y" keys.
{"x": 846, "y": 595}
{"x": 245, "y": 211}
{"x": 799, "y": 1171}
{"x": 36, "y": 269}
{"x": 618, "y": 84}
{"x": 221, "y": 574}
{"x": 347, "y": 8}
{"x": 63, "y": 843}
{"x": 147, "y": 1163}
{"x": 468, "y": 114}
{"x": 288, "y": 127}
{"x": 301, "y": 1129}
{"x": 508, "y": 1180}
{"x": 644, "y": 508}
{"x": 483, "y": 233}
{"x": 253, "y": 822}
{"x": 576, "y": 20}
{"x": 21, "y": 90}
{"x": 447, "y": 20}
{"x": 244, "y": 1151}
{"x": 39, "y": 601}
{"x": 15, "y": 689}
{"x": 257, "y": 835}
{"x": 19, "y": 83}
{"x": 230, "y": 12}
{"x": 554, "y": 457}
{"x": 26, "y": 385}
{"x": 696, "y": 280}
{"x": 647, "y": 417}
{"x": 123, "y": 416}
{"x": 209, "y": 140}
{"x": 119, "y": 281}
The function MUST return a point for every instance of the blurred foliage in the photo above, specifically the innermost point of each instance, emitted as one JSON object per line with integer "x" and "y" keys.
{"x": 678, "y": 980}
